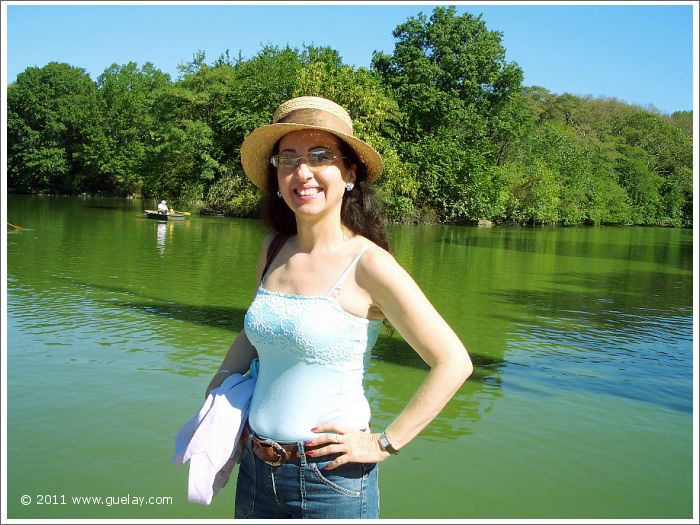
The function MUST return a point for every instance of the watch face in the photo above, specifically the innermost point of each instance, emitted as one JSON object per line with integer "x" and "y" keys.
{"x": 384, "y": 443}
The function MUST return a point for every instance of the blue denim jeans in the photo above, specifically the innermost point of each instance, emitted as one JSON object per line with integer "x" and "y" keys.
{"x": 302, "y": 489}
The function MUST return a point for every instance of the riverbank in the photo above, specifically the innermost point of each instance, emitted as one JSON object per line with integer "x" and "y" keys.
{"x": 417, "y": 216}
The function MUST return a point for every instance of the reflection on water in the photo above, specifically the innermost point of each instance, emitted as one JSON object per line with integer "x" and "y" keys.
{"x": 160, "y": 237}
{"x": 583, "y": 331}
{"x": 658, "y": 245}
{"x": 165, "y": 231}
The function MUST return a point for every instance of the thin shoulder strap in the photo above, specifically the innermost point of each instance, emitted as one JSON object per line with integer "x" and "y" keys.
{"x": 334, "y": 290}
{"x": 272, "y": 251}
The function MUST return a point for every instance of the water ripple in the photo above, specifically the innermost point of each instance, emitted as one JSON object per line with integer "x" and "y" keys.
{"x": 645, "y": 355}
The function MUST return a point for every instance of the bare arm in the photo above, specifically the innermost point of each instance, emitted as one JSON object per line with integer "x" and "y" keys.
{"x": 241, "y": 352}
{"x": 238, "y": 359}
{"x": 411, "y": 313}
{"x": 403, "y": 303}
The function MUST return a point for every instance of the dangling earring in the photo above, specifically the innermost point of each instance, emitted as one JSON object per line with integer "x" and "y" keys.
{"x": 349, "y": 186}
{"x": 279, "y": 193}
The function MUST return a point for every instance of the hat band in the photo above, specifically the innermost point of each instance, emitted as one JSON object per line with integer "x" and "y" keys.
{"x": 317, "y": 118}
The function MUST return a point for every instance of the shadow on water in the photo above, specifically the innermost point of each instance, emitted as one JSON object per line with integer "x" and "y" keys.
{"x": 389, "y": 348}
{"x": 639, "y": 244}
{"x": 455, "y": 420}
{"x": 589, "y": 294}
{"x": 393, "y": 349}
{"x": 388, "y": 389}
{"x": 220, "y": 317}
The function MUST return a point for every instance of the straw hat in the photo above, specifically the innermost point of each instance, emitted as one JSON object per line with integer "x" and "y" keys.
{"x": 303, "y": 113}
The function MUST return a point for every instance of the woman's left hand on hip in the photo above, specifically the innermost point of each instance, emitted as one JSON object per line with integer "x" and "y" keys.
{"x": 354, "y": 446}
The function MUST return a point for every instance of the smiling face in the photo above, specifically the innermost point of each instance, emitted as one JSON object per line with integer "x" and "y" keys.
{"x": 311, "y": 190}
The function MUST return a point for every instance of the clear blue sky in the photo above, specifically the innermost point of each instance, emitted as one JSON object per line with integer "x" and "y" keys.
{"x": 641, "y": 54}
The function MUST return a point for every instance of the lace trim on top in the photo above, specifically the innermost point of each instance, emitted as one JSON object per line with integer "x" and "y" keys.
{"x": 313, "y": 328}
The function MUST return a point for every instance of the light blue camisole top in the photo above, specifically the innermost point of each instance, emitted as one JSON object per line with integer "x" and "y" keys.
{"x": 313, "y": 357}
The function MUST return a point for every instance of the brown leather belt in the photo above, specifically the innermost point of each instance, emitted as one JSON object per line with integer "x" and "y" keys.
{"x": 271, "y": 452}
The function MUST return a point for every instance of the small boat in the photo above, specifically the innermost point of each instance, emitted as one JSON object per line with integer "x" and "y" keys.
{"x": 154, "y": 214}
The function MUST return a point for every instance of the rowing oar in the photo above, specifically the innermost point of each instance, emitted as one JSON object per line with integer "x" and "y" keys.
{"x": 17, "y": 228}
{"x": 183, "y": 212}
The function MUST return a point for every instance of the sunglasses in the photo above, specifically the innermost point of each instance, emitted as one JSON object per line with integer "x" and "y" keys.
{"x": 314, "y": 159}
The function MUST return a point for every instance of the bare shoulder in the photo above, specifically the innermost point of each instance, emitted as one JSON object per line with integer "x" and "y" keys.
{"x": 390, "y": 286}
{"x": 379, "y": 268}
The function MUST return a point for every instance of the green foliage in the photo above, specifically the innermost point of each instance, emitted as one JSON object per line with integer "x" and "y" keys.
{"x": 454, "y": 181}
{"x": 683, "y": 120}
{"x": 450, "y": 72}
{"x": 181, "y": 164}
{"x": 616, "y": 163}
{"x": 642, "y": 184}
{"x": 677, "y": 195}
{"x": 232, "y": 194}
{"x": 127, "y": 94}
{"x": 398, "y": 187}
{"x": 532, "y": 193}
{"x": 666, "y": 151}
{"x": 461, "y": 108}
{"x": 258, "y": 87}
{"x": 460, "y": 137}
{"x": 52, "y": 112}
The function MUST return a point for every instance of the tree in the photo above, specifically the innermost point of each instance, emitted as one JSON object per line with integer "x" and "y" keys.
{"x": 668, "y": 153}
{"x": 533, "y": 193}
{"x": 126, "y": 95}
{"x": 642, "y": 184}
{"x": 52, "y": 113}
{"x": 461, "y": 139}
{"x": 461, "y": 105}
{"x": 683, "y": 120}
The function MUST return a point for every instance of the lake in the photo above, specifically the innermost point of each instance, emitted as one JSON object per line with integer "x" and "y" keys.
{"x": 580, "y": 407}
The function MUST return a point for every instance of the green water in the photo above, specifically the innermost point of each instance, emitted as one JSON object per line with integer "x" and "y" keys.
{"x": 580, "y": 406}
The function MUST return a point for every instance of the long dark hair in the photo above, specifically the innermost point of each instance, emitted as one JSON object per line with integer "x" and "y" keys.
{"x": 361, "y": 210}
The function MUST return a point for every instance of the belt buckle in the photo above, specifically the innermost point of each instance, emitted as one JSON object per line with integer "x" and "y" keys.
{"x": 279, "y": 450}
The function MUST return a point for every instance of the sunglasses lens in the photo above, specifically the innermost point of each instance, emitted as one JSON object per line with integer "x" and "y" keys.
{"x": 319, "y": 158}
{"x": 286, "y": 162}
{"x": 313, "y": 159}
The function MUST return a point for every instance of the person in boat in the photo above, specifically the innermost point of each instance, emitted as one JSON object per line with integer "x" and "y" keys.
{"x": 163, "y": 207}
{"x": 321, "y": 299}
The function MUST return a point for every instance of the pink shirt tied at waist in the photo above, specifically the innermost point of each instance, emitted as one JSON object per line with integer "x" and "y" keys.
{"x": 210, "y": 440}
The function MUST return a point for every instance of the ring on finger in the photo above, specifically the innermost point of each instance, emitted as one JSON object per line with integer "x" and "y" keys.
{"x": 336, "y": 439}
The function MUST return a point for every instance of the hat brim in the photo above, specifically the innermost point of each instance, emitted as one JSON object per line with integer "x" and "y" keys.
{"x": 256, "y": 150}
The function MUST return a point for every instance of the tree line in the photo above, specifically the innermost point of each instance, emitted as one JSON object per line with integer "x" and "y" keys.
{"x": 462, "y": 138}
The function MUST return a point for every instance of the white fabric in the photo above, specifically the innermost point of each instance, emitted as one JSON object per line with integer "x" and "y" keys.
{"x": 211, "y": 439}
{"x": 163, "y": 207}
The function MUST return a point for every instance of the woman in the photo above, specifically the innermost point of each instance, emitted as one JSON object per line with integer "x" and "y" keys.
{"x": 326, "y": 283}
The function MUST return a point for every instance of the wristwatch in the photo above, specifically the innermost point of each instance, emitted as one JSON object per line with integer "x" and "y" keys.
{"x": 386, "y": 445}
